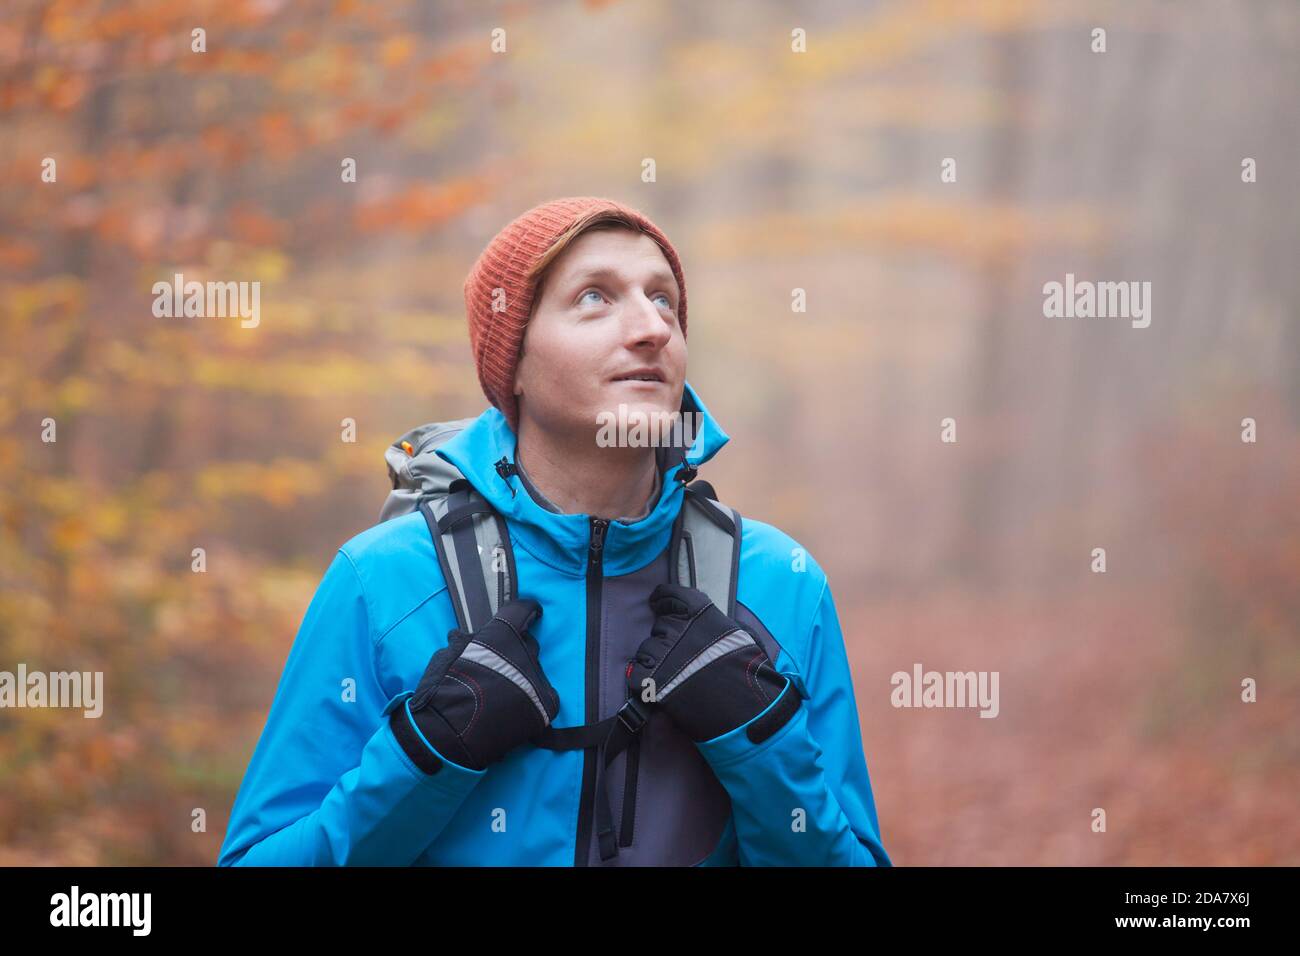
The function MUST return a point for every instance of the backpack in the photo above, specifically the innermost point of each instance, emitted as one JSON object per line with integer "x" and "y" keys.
{"x": 473, "y": 546}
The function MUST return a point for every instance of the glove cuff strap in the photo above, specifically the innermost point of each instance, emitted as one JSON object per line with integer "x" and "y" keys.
{"x": 411, "y": 742}
{"x": 776, "y": 716}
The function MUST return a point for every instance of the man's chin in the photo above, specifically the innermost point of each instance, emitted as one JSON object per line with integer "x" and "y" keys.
{"x": 629, "y": 421}
{"x": 629, "y": 407}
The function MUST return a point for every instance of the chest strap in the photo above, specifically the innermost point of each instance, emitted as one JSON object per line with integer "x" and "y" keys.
{"x": 610, "y": 737}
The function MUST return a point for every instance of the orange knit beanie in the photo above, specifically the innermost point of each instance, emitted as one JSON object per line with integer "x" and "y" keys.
{"x": 495, "y": 336}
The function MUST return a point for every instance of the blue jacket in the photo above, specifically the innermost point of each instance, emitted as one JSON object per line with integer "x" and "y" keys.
{"x": 329, "y": 784}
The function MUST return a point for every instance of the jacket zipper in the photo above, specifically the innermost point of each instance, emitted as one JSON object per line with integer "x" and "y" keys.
{"x": 595, "y": 575}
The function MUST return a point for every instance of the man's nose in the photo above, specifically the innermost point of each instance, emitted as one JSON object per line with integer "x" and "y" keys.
{"x": 646, "y": 322}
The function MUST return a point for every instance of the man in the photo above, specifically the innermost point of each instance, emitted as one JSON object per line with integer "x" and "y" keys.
{"x": 750, "y": 751}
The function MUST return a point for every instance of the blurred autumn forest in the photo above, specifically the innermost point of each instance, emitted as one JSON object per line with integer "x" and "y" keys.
{"x": 775, "y": 170}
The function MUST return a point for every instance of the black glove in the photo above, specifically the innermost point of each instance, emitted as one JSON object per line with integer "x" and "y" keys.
{"x": 482, "y": 695}
{"x": 709, "y": 673}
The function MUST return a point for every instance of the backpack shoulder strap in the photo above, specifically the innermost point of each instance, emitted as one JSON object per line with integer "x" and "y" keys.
{"x": 705, "y": 546}
{"x": 470, "y": 537}
{"x": 474, "y": 551}
{"x": 478, "y": 563}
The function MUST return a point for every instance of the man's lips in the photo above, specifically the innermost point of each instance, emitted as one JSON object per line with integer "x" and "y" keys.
{"x": 646, "y": 376}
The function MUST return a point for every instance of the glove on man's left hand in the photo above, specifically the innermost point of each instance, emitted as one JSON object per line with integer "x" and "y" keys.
{"x": 709, "y": 673}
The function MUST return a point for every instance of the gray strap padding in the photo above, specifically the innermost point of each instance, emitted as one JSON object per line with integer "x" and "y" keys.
{"x": 707, "y": 554}
{"x": 488, "y": 543}
{"x": 450, "y": 565}
{"x": 494, "y": 567}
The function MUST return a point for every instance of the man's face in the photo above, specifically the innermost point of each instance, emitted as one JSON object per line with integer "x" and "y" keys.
{"x": 607, "y": 310}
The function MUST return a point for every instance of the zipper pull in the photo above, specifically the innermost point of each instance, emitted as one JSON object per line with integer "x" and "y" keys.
{"x": 598, "y": 527}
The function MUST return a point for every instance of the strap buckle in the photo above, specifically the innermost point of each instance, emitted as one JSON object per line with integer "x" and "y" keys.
{"x": 632, "y": 715}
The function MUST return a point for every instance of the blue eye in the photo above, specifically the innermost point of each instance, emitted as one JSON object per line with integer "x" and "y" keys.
{"x": 583, "y": 298}
{"x": 668, "y": 303}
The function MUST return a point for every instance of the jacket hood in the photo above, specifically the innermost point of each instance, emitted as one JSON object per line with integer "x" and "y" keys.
{"x": 562, "y": 540}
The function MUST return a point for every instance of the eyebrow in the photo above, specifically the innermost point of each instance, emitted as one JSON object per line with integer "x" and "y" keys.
{"x": 605, "y": 272}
